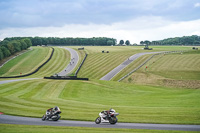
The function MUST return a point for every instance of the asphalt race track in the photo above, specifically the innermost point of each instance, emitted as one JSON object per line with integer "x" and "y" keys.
{"x": 72, "y": 64}
{"x": 116, "y": 70}
{"x": 6, "y": 119}
{"x": 15, "y": 80}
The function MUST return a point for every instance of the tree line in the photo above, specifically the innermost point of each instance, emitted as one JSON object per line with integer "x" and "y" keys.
{"x": 68, "y": 41}
{"x": 127, "y": 42}
{"x": 10, "y": 47}
{"x": 185, "y": 40}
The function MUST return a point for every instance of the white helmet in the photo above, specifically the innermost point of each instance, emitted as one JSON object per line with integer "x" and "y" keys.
{"x": 112, "y": 110}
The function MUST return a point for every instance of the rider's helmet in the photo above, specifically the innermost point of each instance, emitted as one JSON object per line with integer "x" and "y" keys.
{"x": 55, "y": 108}
{"x": 112, "y": 110}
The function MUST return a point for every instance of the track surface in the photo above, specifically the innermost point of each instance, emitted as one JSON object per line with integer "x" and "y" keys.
{"x": 6, "y": 119}
{"x": 116, "y": 70}
{"x": 14, "y": 80}
{"x": 72, "y": 64}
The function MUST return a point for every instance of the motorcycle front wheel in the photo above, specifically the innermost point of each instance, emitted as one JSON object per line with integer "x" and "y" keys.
{"x": 98, "y": 120}
{"x": 43, "y": 117}
{"x": 113, "y": 120}
{"x": 56, "y": 118}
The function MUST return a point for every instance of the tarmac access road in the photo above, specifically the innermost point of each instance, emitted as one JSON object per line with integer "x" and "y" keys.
{"x": 6, "y": 119}
{"x": 15, "y": 80}
{"x": 73, "y": 62}
{"x": 116, "y": 70}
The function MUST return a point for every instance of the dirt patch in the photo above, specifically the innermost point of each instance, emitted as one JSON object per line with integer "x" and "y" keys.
{"x": 152, "y": 79}
{"x": 144, "y": 78}
{"x": 193, "y": 84}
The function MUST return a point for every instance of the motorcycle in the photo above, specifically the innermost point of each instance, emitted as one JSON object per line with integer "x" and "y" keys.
{"x": 107, "y": 116}
{"x": 52, "y": 115}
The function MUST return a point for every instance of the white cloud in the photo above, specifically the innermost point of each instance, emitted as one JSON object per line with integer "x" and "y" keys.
{"x": 197, "y": 5}
{"x": 136, "y": 30}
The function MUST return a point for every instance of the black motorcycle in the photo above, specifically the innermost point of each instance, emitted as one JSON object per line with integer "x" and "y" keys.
{"x": 52, "y": 114}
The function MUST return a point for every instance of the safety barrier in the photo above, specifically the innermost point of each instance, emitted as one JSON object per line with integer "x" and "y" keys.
{"x": 65, "y": 78}
{"x": 80, "y": 65}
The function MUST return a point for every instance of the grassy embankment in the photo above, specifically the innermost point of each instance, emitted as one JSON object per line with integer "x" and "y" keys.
{"x": 176, "y": 70}
{"x": 99, "y": 64}
{"x": 26, "y": 62}
{"x": 82, "y": 100}
{"x": 29, "y": 61}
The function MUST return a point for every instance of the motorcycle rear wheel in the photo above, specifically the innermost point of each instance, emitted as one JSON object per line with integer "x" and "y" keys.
{"x": 98, "y": 120}
{"x": 57, "y": 118}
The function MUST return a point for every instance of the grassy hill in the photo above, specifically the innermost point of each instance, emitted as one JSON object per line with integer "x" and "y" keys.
{"x": 58, "y": 62}
{"x": 26, "y": 62}
{"x": 141, "y": 98}
{"x": 29, "y": 61}
{"x": 178, "y": 70}
{"x": 83, "y": 100}
{"x": 99, "y": 64}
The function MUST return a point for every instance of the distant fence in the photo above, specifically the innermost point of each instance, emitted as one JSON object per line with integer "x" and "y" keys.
{"x": 147, "y": 61}
{"x": 34, "y": 70}
{"x": 80, "y": 65}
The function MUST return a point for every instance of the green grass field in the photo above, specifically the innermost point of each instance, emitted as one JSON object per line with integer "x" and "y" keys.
{"x": 167, "y": 92}
{"x": 83, "y": 100}
{"x": 99, "y": 64}
{"x": 58, "y": 62}
{"x": 24, "y": 63}
{"x": 177, "y": 70}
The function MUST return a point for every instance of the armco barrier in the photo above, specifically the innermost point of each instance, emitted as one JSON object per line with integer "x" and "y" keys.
{"x": 35, "y": 70}
{"x": 80, "y": 65}
{"x": 65, "y": 78}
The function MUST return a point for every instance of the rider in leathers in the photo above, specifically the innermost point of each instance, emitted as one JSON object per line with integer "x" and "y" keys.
{"x": 51, "y": 111}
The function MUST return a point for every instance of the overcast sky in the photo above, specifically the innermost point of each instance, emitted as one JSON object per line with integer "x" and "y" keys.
{"x": 133, "y": 20}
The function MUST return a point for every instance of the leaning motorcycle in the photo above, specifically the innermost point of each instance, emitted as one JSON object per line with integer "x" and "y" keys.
{"x": 53, "y": 117}
{"x": 105, "y": 117}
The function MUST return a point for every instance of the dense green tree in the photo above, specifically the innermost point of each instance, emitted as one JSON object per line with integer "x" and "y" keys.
{"x": 28, "y": 42}
{"x": 121, "y": 42}
{"x": 110, "y": 42}
{"x": 127, "y": 42}
{"x": 141, "y": 42}
{"x": 11, "y": 48}
{"x": 1, "y": 54}
{"x": 97, "y": 41}
{"x": 185, "y": 40}
{"x": 12, "y": 45}
{"x": 17, "y": 45}
{"x": 5, "y": 51}
{"x": 23, "y": 44}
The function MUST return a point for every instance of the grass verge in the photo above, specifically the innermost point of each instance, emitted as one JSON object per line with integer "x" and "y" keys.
{"x": 8, "y": 128}
{"x": 83, "y": 100}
